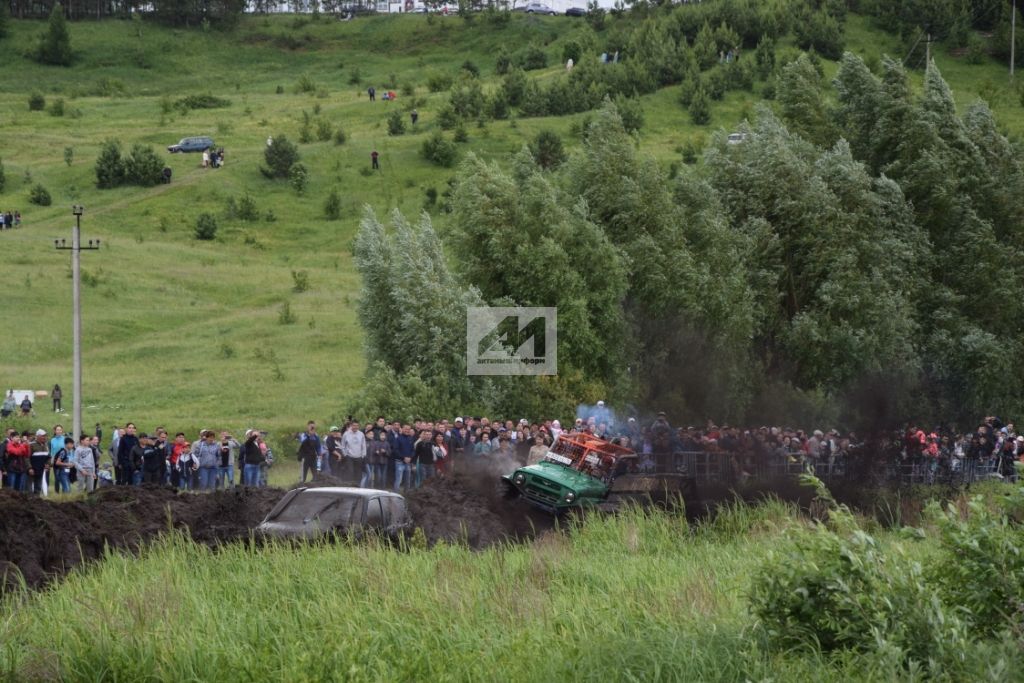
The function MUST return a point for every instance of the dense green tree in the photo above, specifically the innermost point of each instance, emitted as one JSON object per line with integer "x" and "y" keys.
{"x": 279, "y": 156}
{"x": 55, "y": 44}
{"x": 803, "y": 102}
{"x": 143, "y": 167}
{"x": 109, "y": 165}
{"x": 834, "y": 233}
{"x": 705, "y": 49}
{"x": 520, "y": 240}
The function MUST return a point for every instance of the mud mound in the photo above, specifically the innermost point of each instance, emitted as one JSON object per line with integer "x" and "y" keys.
{"x": 467, "y": 507}
{"x": 42, "y": 540}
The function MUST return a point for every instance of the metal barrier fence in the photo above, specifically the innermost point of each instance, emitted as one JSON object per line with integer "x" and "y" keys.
{"x": 722, "y": 467}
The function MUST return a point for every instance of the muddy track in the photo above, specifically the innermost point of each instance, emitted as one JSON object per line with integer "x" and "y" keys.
{"x": 41, "y": 540}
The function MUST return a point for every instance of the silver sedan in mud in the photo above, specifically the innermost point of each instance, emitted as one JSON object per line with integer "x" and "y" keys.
{"x": 318, "y": 512}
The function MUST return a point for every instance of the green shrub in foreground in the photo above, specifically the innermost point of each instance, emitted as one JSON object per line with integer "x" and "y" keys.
{"x": 36, "y": 102}
{"x": 39, "y": 195}
{"x": 279, "y": 156}
{"x": 206, "y": 227}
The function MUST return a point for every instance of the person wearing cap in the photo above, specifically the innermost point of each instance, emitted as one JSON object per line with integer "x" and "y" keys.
{"x": 457, "y": 438}
{"x": 39, "y": 462}
{"x": 335, "y": 457}
{"x": 252, "y": 458}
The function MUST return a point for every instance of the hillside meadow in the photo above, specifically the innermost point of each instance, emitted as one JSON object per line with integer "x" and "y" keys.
{"x": 193, "y": 333}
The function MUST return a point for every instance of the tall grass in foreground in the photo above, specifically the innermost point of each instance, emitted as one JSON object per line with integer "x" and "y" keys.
{"x": 634, "y": 597}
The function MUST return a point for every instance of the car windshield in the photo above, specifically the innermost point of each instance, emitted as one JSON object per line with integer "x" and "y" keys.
{"x": 330, "y": 508}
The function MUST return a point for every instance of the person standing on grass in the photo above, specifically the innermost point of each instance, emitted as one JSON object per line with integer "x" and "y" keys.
{"x": 334, "y": 458}
{"x": 63, "y": 462}
{"x": 207, "y": 454}
{"x": 353, "y": 445}
{"x": 39, "y": 462}
{"x": 380, "y": 457}
{"x": 123, "y": 455}
{"x": 403, "y": 452}
{"x": 17, "y": 460}
{"x": 9, "y": 405}
{"x": 252, "y": 458}
{"x": 374, "y": 163}
{"x": 372, "y": 92}
{"x": 85, "y": 464}
{"x": 229, "y": 448}
{"x": 310, "y": 450}
{"x": 56, "y": 395}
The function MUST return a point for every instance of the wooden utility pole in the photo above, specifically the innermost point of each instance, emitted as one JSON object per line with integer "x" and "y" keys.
{"x": 928, "y": 51}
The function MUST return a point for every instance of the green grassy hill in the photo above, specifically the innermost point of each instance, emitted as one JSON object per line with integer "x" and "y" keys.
{"x": 186, "y": 332}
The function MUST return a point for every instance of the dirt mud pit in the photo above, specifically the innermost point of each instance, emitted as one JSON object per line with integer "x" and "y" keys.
{"x": 43, "y": 539}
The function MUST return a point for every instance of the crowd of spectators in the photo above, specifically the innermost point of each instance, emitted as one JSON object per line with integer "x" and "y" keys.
{"x": 38, "y": 462}
{"x": 10, "y": 219}
{"x": 402, "y": 455}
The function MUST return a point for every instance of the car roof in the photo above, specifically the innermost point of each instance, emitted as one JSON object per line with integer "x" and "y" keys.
{"x": 350, "y": 491}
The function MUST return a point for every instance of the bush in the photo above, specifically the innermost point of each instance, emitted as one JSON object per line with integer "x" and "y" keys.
{"x": 285, "y": 315}
{"x": 396, "y": 123}
{"x": 471, "y": 68}
{"x": 109, "y": 165}
{"x": 700, "y": 108}
{"x": 323, "y": 130}
{"x": 247, "y": 209}
{"x": 514, "y": 86}
{"x": 143, "y": 167}
{"x": 497, "y": 106}
{"x": 631, "y": 111}
{"x": 305, "y": 84}
{"x": 339, "y": 136}
{"x": 547, "y": 149}
{"x": 279, "y": 157}
{"x": 204, "y": 101}
{"x": 298, "y": 177}
{"x": 840, "y": 591}
{"x": 438, "y": 81}
{"x": 717, "y": 83}
{"x": 439, "y": 150}
{"x": 36, "y": 102}
{"x": 821, "y": 32}
{"x": 976, "y": 53}
{"x": 572, "y": 50}
{"x": 300, "y": 281}
{"x": 447, "y": 118}
{"x": 206, "y": 227}
{"x": 460, "y": 134}
{"x": 532, "y": 58}
{"x": 332, "y": 207}
{"x": 503, "y": 63}
{"x": 57, "y": 107}
{"x": 55, "y": 45}
{"x": 39, "y": 195}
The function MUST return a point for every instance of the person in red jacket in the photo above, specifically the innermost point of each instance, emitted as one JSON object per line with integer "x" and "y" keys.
{"x": 18, "y": 453}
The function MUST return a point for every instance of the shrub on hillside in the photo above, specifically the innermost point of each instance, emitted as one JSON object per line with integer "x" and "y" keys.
{"x": 821, "y": 32}
{"x": 547, "y": 149}
{"x": 143, "y": 167}
{"x": 396, "y": 123}
{"x": 56, "y": 107}
{"x": 39, "y": 195}
{"x": 206, "y": 227}
{"x": 631, "y": 111}
{"x": 332, "y": 206}
{"x": 572, "y": 50}
{"x": 503, "y": 63}
{"x": 497, "y": 106}
{"x": 203, "y": 101}
{"x": 36, "y": 102}
{"x": 109, "y": 165}
{"x": 700, "y": 108}
{"x": 339, "y": 136}
{"x": 439, "y": 150}
{"x": 279, "y": 156}
{"x": 298, "y": 177}
{"x": 438, "y": 81}
{"x": 55, "y": 45}
{"x": 532, "y": 58}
